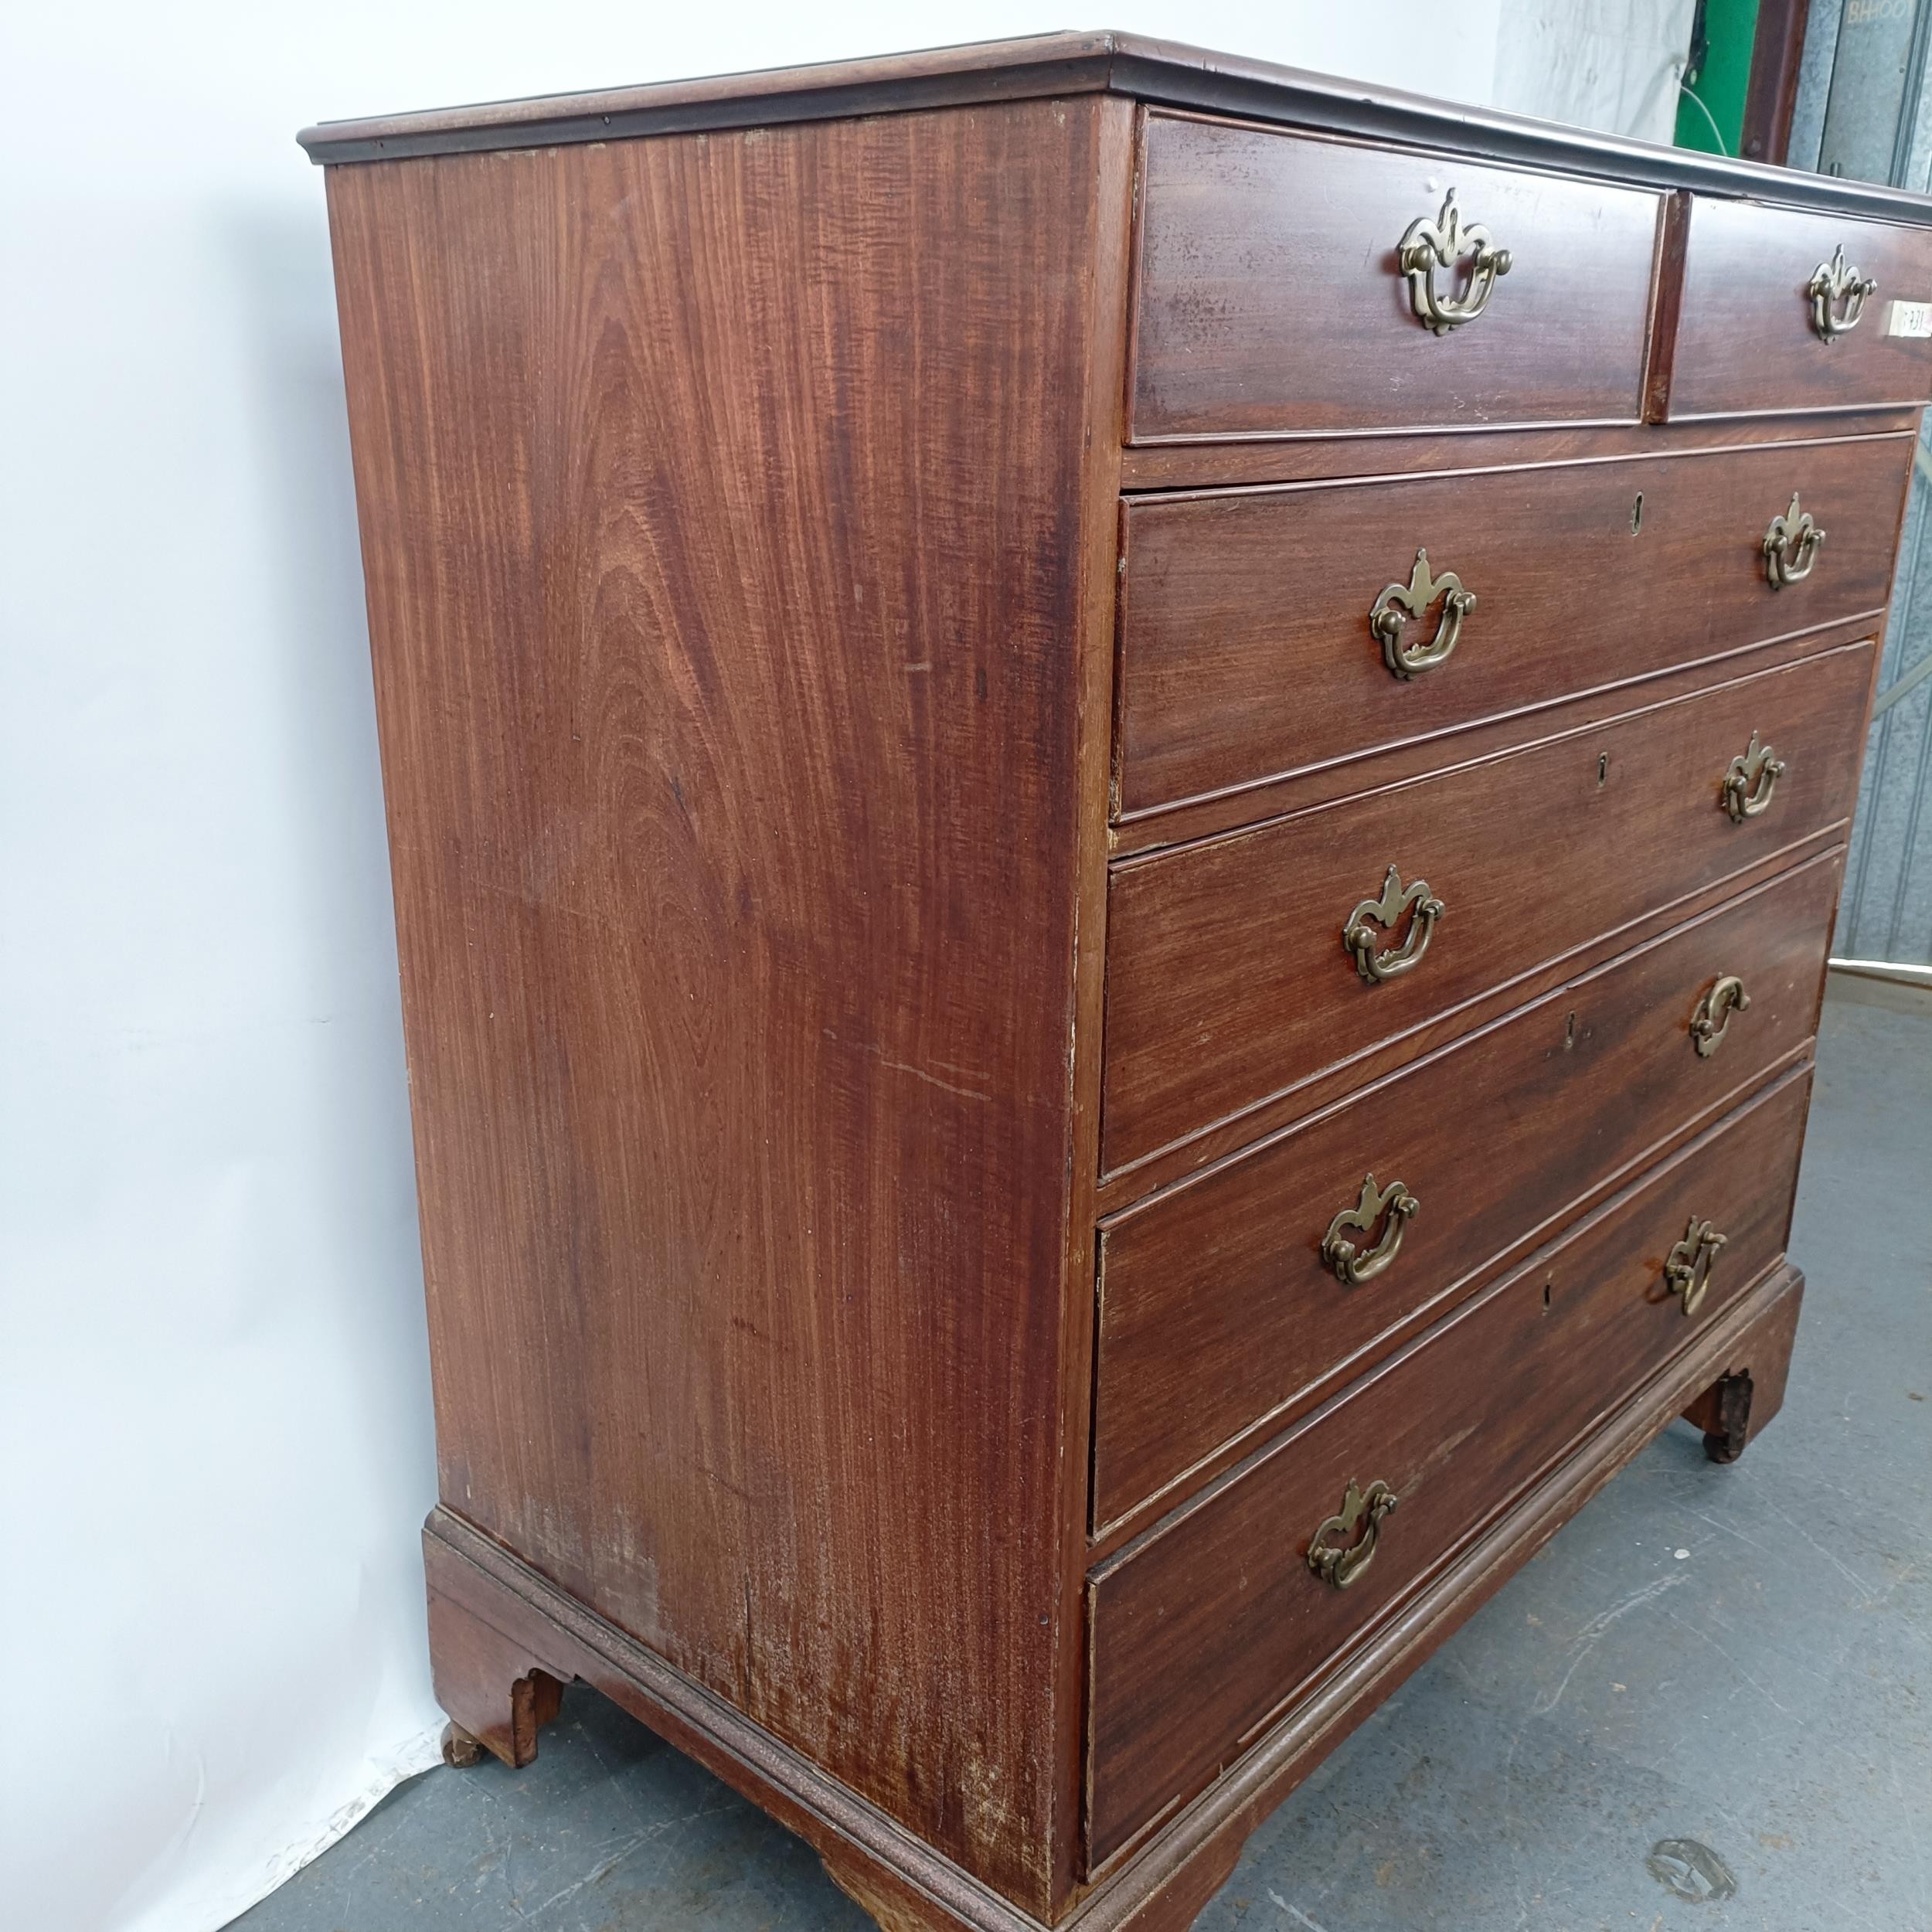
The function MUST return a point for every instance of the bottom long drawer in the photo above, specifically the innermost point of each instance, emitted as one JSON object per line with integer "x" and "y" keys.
{"x": 1203, "y": 1631}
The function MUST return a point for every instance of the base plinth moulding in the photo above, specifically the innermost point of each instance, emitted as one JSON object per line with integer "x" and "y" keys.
{"x": 504, "y": 1641}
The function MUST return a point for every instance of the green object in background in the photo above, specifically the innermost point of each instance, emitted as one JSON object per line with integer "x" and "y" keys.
{"x": 1731, "y": 30}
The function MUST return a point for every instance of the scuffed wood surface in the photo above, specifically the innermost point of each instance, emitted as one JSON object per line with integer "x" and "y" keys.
{"x": 725, "y": 523}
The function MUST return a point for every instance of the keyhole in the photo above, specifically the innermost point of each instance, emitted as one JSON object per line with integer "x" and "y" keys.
{"x": 1546, "y": 1294}
{"x": 1603, "y": 770}
{"x": 1570, "y": 1031}
{"x": 1637, "y": 514}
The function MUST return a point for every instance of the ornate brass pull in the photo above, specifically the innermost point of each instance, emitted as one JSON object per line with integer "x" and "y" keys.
{"x": 1790, "y": 546}
{"x": 1375, "y": 918}
{"x": 1393, "y": 1205}
{"x": 1361, "y": 1510}
{"x": 1427, "y": 246}
{"x": 1687, "y": 1268}
{"x": 1750, "y": 780}
{"x": 1838, "y": 296}
{"x": 1387, "y": 621}
{"x": 1714, "y": 1012}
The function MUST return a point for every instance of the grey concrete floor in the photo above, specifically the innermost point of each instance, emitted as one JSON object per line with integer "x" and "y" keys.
{"x": 1717, "y": 1661}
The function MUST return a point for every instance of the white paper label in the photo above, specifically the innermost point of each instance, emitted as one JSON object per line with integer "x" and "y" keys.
{"x": 1910, "y": 319}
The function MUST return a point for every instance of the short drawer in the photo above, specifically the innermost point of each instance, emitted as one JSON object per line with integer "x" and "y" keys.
{"x": 1242, "y": 966}
{"x": 1758, "y": 329}
{"x": 1270, "y": 296}
{"x": 1249, "y": 647}
{"x": 1227, "y": 1301}
{"x": 1210, "y": 1627}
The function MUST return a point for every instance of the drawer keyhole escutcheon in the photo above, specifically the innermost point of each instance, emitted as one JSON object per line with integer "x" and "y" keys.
{"x": 1375, "y": 919}
{"x": 1750, "y": 780}
{"x": 1687, "y": 1268}
{"x": 1839, "y": 295}
{"x": 1442, "y": 245}
{"x": 1360, "y": 1516}
{"x": 1393, "y": 1206}
{"x": 1790, "y": 546}
{"x": 1714, "y": 1012}
{"x": 1387, "y": 622}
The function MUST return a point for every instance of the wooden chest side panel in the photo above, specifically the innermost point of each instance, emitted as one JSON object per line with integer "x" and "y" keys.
{"x": 724, "y": 523}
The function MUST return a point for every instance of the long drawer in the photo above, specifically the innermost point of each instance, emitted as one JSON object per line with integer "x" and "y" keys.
{"x": 1204, "y": 1631}
{"x": 1748, "y": 338}
{"x": 1270, "y": 297}
{"x": 1230, "y": 980}
{"x": 1248, "y": 645}
{"x": 1226, "y": 1300}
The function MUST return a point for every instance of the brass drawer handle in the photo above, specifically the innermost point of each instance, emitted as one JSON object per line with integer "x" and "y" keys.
{"x": 1393, "y": 1205}
{"x": 1714, "y": 1012}
{"x": 1687, "y": 1268}
{"x": 1427, "y": 246}
{"x": 1750, "y": 780}
{"x": 1387, "y": 622}
{"x": 1790, "y": 546}
{"x": 1361, "y": 1510}
{"x": 1838, "y": 296}
{"x": 1374, "y": 919}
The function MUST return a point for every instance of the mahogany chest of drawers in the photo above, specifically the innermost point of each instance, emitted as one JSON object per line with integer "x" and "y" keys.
{"x": 1116, "y": 783}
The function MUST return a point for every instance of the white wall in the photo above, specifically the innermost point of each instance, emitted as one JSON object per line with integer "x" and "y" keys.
{"x": 214, "y": 1389}
{"x": 1609, "y": 64}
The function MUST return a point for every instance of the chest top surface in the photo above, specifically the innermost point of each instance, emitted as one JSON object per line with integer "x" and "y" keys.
{"x": 1101, "y": 61}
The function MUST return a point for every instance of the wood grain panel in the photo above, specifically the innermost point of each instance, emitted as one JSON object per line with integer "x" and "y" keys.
{"x": 1217, "y": 1315}
{"x": 1226, "y": 812}
{"x": 1059, "y": 64}
{"x": 1744, "y": 344}
{"x": 1269, "y": 300}
{"x": 1204, "y": 1630}
{"x": 1119, "y": 1191}
{"x": 1227, "y": 979}
{"x": 1201, "y": 466}
{"x": 1246, "y": 650}
{"x": 736, "y": 850}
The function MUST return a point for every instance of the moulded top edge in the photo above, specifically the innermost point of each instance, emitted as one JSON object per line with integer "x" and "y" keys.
{"x": 1163, "y": 73}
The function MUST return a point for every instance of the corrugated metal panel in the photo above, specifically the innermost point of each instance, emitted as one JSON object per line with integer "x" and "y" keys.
{"x": 1887, "y": 913}
{"x": 1887, "y": 910}
{"x": 1814, "y": 84}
